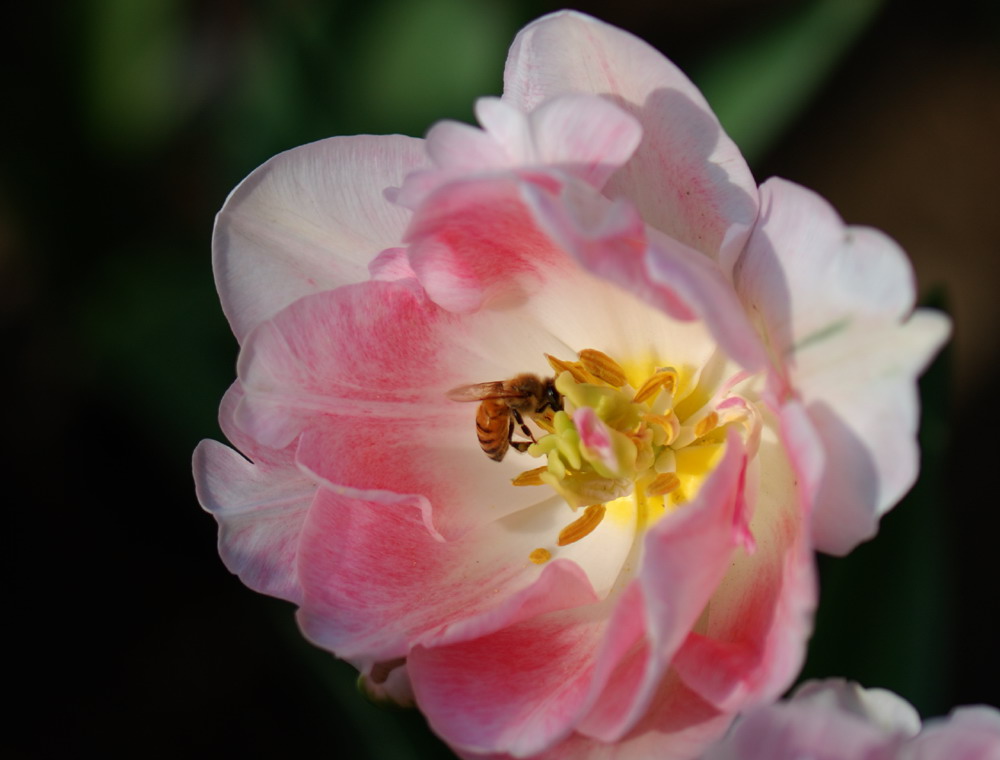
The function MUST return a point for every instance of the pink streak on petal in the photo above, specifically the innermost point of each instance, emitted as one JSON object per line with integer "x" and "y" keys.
{"x": 561, "y": 585}
{"x": 366, "y": 350}
{"x": 359, "y": 376}
{"x": 594, "y": 436}
{"x": 687, "y": 178}
{"x": 376, "y": 582}
{"x": 308, "y": 220}
{"x": 478, "y": 703}
{"x": 473, "y": 246}
{"x": 685, "y": 556}
{"x": 752, "y": 642}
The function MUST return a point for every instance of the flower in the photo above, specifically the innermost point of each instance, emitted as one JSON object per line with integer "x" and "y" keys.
{"x": 839, "y": 720}
{"x": 709, "y": 380}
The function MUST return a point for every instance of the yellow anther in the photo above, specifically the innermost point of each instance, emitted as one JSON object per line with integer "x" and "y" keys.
{"x": 665, "y": 378}
{"x": 582, "y": 527}
{"x": 663, "y": 484}
{"x": 602, "y": 366}
{"x": 530, "y": 477}
{"x": 707, "y": 424}
{"x": 540, "y": 556}
{"x": 574, "y": 368}
{"x": 664, "y": 427}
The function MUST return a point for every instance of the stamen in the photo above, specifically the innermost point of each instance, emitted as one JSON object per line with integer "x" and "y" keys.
{"x": 665, "y": 378}
{"x": 668, "y": 422}
{"x": 707, "y": 424}
{"x": 540, "y": 556}
{"x": 603, "y": 366}
{"x": 663, "y": 484}
{"x": 530, "y": 477}
{"x": 578, "y": 372}
{"x": 582, "y": 527}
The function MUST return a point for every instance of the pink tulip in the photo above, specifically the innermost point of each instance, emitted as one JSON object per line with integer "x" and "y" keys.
{"x": 735, "y": 366}
{"x": 837, "y": 720}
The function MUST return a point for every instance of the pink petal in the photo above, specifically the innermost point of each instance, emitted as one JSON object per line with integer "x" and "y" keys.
{"x": 376, "y": 581}
{"x": 685, "y": 557}
{"x": 678, "y": 726}
{"x": 588, "y": 137}
{"x": 687, "y": 178}
{"x": 308, "y": 220}
{"x": 582, "y": 135}
{"x": 835, "y": 303}
{"x": 789, "y": 731}
{"x": 478, "y": 703}
{"x": 760, "y": 617}
{"x": 969, "y": 733}
{"x": 260, "y": 506}
{"x": 609, "y": 239}
{"x": 359, "y": 375}
{"x": 888, "y": 712}
{"x": 474, "y": 245}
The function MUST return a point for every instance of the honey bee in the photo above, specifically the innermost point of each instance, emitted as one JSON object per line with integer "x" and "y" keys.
{"x": 504, "y": 403}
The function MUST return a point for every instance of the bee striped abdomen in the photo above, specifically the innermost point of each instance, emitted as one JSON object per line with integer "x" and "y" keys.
{"x": 493, "y": 427}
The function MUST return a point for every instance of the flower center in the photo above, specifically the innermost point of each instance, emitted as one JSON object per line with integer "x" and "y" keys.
{"x": 627, "y": 444}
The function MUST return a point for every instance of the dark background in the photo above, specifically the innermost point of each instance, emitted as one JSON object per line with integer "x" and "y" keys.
{"x": 126, "y": 124}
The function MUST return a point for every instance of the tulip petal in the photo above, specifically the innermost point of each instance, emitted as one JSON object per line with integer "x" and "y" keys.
{"x": 474, "y": 246}
{"x": 834, "y": 304}
{"x": 308, "y": 220}
{"x": 477, "y": 702}
{"x": 376, "y": 582}
{"x": 752, "y": 642}
{"x": 685, "y": 556}
{"x": 260, "y": 506}
{"x": 687, "y": 178}
{"x": 609, "y": 239}
{"x": 360, "y": 376}
{"x": 969, "y": 733}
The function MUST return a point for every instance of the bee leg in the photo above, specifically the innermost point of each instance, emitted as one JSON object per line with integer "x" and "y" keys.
{"x": 524, "y": 428}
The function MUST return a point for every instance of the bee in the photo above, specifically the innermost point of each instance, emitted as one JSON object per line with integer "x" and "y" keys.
{"x": 504, "y": 403}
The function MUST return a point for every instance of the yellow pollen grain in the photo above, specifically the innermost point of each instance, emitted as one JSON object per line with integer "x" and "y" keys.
{"x": 709, "y": 423}
{"x": 664, "y": 378}
{"x": 540, "y": 556}
{"x": 603, "y": 366}
{"x": 663, "y": 484}
{"x": 582, "y": 527}
{"x": 530, "y": 477}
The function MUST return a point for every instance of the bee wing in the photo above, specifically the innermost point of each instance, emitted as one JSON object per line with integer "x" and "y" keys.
{"x": 480, "y": 392}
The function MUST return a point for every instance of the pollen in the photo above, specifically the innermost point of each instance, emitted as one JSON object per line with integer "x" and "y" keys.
{"x": 582, "y": 527}
{"x": 540, "y": 556}
{"x": 575, "y": 369}
{"x": 530, "y": 477}
{"x": 602, "y": 366}
{"x": 707, "y": 425}
{"x": 664, "y": 378}
{"x": 662, "y": 484}
{"x": 621, "y": 443}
